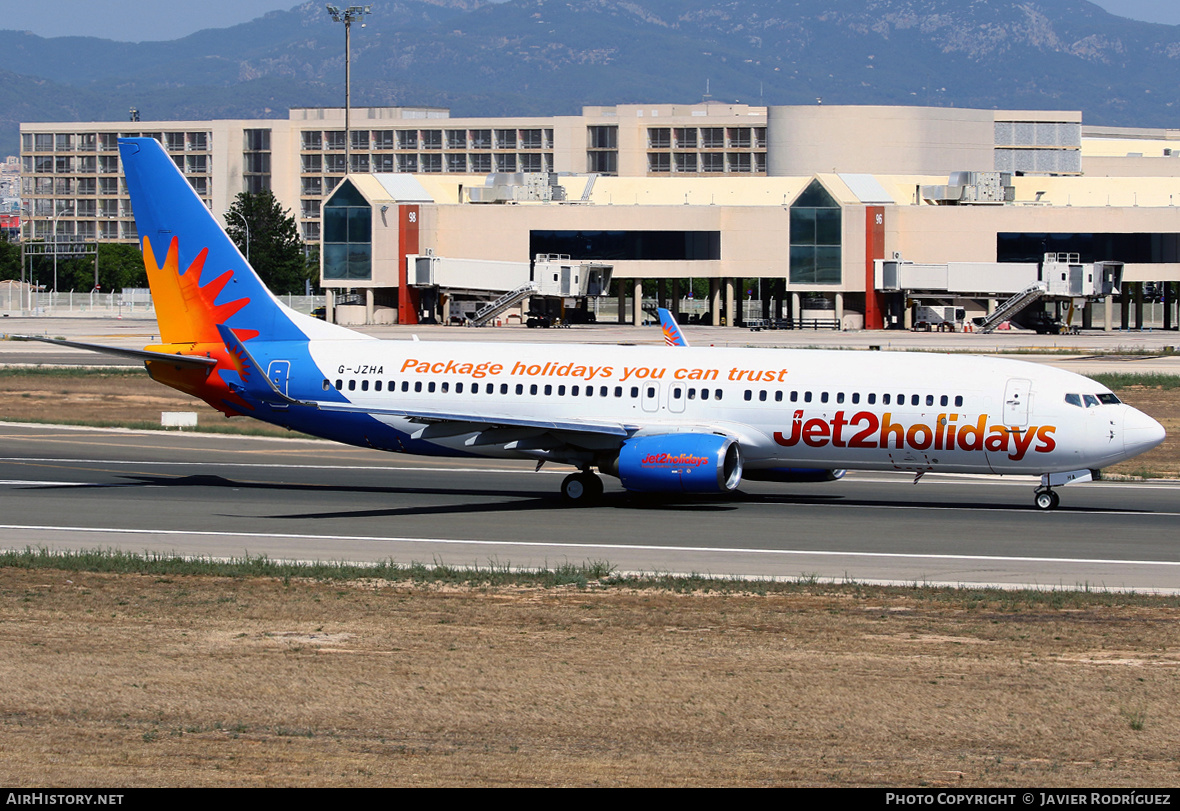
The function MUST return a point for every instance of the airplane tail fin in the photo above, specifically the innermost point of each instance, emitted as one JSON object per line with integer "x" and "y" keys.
{"x": 672, "y": 334}
{"x": 198, "y": 277}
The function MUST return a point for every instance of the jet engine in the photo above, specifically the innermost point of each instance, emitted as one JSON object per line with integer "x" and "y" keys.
{"x": 680, "y": 463}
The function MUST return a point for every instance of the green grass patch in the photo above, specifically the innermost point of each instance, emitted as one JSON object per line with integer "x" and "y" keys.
{"x": 1116, "y": 381}
{"x": 591, "y": 574}
{"x": 247, "y": 427}
{"x": 98, "y": 372}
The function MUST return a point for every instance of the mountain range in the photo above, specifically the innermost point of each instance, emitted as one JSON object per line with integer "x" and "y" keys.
{"x": 551, "y": 57}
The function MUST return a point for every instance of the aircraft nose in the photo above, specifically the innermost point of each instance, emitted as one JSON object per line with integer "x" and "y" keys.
{"x": 1140, "y": 432}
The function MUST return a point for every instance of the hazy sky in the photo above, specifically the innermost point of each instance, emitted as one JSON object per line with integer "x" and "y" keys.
{"x": 137, "y": 20}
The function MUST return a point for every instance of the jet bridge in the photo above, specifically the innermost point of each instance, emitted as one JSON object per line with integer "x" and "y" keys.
{"x": 1015, "y": 285}
{"x": 505, "y": 284}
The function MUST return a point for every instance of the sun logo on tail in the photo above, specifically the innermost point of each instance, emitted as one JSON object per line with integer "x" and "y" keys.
{"x": 186, "y": 311}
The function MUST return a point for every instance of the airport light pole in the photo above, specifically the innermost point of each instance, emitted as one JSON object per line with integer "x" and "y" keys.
{"x": 58, "y": 213}
{"x": 247, "y": 224}
{"x": 348, "y": 16}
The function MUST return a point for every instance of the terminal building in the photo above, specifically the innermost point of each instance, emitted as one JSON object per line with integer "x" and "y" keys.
{"x": 786, "y": 212}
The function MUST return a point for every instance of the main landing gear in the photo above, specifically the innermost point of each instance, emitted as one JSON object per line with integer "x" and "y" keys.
{"x": 1046, "y": 499}
{"x": 581, "y": 488}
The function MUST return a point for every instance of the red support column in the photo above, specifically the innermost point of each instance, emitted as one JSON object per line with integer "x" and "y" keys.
{"x": 407, "y": 243}
{"x": 874, "y": 249}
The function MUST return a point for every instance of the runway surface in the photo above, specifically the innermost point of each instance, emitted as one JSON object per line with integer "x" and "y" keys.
{"x": 225, "y": 496}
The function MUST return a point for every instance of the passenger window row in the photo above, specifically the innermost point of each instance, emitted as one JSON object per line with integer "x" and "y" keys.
{"x": 548, "y": 389}
{"x": 854, "y": 398}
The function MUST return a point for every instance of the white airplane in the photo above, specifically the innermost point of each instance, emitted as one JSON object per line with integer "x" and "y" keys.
{"x": 681, "y": 420}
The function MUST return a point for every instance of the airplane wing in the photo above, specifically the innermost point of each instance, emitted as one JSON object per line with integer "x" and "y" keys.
{"x": 672, "y": 334}
{"x": 191, "y": 361}
{"x": 257, "y": 385}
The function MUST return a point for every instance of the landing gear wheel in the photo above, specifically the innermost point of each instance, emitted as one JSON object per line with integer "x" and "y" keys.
{"x": 1047, "y": 500}
{"x": 581, "y": 488}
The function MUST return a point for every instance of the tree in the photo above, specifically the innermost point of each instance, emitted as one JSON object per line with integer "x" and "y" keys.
{"x": 274, "y": 248}
{"x": 9, "y": 260}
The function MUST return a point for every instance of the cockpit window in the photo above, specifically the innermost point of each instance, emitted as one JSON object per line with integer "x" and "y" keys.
{"x": 1108, "y": 399}
{"x": 1090, "y": 400}
{"x": 1074, "y": 400}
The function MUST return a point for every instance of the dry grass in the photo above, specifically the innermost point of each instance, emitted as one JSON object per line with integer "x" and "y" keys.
{"x": 118, "y": 398}
{"x": 148, "y": 680}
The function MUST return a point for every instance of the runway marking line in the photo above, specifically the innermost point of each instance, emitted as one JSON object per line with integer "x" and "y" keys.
{"x": 616, "y": 547}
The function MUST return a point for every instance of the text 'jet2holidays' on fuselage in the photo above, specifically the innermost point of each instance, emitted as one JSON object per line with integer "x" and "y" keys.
{"x": 662, "y": 420}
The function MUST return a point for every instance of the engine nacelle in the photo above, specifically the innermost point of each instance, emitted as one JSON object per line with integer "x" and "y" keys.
{"x": 680, "y": 463}
{"x": 794, "y": 474}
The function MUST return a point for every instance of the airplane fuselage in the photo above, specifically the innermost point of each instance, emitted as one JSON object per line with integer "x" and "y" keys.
{"x": 786, "y": 408}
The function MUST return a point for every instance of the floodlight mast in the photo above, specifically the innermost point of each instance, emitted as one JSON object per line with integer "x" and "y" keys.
{"x": 348, "y": 16}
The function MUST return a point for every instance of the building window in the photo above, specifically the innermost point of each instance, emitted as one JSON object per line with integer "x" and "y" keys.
{"x": 347, "y": 229}
{"x": 739, "y": 137}
{"x": 506, "y": 139}
{"x": 334, "y": 139}
{"x": 456, "y": 139}
{"x": 256, "y": 160}
{"x": 815, "y": 237}
{"x": 713, "y": 137}
{"x": 457, "y": 163}
{"x": 432, "y": 139}
{"x": 382, "y": 139}
{"x": 407, "y": 139}
{"x": 739, "y": 162}
{"x": 530, "y": 139}
{"x": 659, "y": 138}
{"x": 481, "y": 139}
{"x": 659, "y": 162}
{"x": 313, "y": 140}
{"x": 257, "y": 140}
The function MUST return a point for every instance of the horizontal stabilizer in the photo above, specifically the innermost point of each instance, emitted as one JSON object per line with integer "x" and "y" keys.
{"x": 190, "y": 361}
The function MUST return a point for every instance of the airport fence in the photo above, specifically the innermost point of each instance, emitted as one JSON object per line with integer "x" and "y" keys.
{"x": 131, "y": 303}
